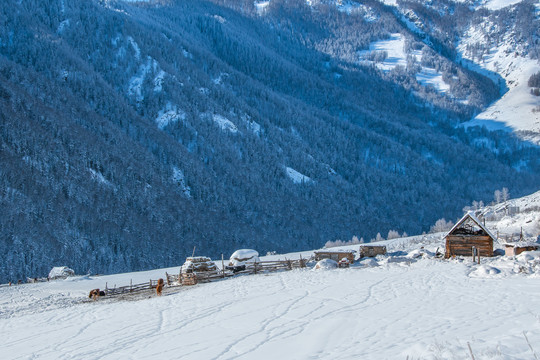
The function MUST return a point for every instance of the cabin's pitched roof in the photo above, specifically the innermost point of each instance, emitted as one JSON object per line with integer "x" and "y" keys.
{"x": 470, "y": 215}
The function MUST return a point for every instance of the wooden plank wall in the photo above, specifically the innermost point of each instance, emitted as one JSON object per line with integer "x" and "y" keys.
{"x": 461, "y": 245}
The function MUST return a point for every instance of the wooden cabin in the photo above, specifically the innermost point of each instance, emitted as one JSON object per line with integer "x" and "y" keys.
{"x": 469, "y": 232}
{"x": 372, "y": 250}
{"x": 336, "y": 255}
{"x": 516, "y": 248}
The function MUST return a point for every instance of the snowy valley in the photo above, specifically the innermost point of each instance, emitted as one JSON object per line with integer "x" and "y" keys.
{"x": 136, "y": 133}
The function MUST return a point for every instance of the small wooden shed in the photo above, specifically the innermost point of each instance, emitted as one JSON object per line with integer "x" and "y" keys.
{"x": 469, "y": 232}
{"x": 372, "y": 250}
{"x": 335, "y": 255}
{"x": 516, "y": 248}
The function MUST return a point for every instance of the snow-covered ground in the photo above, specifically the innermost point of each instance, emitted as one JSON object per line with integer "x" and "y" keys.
{"x": 426, "y": 308}
{"x": 297, "y": 177}
{"x": 491, "y": 4}
{"x": 394, "y": 48}
{"x": 407, "y": 304}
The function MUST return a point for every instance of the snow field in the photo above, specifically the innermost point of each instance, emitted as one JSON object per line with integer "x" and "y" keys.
{"x": 426, "y": 308}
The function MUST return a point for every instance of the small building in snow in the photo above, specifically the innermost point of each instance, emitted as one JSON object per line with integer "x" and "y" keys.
{"x": 372, "y": 250}
{"x": 336, "y": 255}
{"x": 469, "y": 232}
{"x": 516, "y": 248}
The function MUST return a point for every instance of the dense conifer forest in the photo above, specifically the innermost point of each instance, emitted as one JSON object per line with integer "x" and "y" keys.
{"x": 132, "y": 132}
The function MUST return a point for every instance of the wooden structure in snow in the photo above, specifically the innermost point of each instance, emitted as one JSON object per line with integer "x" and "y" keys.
{"x": 516, "y": 248}
{"x": 372, "y": 250}
{"x": 336, "y": 255}
{"x": 205, "y": 273}
{"x": 198, "y": 264}
{"x": 469, "y": 233}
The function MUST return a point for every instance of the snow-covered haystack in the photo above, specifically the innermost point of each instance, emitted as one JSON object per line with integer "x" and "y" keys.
{"x": 60, "y": 272}
{"x": 369, "y": 262}
{"x": 420, "y": 253}
{"x": 326, "y": 264}
{"x": 198, "y": 264}
{"x": 485, "y": 271}
{"x": 243, "y": 256}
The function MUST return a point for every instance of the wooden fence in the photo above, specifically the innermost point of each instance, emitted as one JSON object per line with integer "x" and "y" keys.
{"x": 173, "y": 280}
{"x": 131, "y": 288}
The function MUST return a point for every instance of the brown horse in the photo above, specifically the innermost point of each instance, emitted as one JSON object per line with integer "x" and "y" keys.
{"x": 159, "y": 287}
{"x": 95, "y": 294}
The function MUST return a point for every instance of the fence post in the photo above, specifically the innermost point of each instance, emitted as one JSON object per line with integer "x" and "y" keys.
{"x": 222, "y": 266}
{"x": 473, "y": 254}
{"x": 130, "y": 285}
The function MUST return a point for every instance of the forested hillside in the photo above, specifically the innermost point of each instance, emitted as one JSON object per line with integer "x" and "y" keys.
{"x": 131, "y": 132}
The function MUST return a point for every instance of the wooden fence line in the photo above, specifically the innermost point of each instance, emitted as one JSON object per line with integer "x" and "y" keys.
{"x": 173, "y": 280}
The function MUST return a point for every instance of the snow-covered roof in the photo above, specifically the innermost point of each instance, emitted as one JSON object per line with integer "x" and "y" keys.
{"x": 523, "y": 244}
{"x": 337, "y": 251}
{"x": 60, "y": 271}
{"x": 470, "y": 215}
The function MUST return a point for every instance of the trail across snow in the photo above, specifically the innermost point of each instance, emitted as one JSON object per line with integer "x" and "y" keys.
{"x": 428, "y": 308}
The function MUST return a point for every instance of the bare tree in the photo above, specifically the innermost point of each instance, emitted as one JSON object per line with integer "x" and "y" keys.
{"x": 497, "y": 196}
{"x": 505, "y": 194}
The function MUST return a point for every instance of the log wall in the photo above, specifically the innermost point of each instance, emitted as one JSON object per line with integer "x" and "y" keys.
{"x": 461, "y": 245}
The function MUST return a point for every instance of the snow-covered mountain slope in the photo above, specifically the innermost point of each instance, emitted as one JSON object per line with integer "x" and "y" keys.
{"x": 404, "y": 305}
{"x": 503, "y": 54}
{"x": 515, "y": 218}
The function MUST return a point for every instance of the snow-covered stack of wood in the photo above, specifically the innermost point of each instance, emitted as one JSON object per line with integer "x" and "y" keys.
{"x": 199, "y": 264}
{"x": 372, "y": 250}
{"x": 60, "y": 272}
{"x": 469, "y": 232}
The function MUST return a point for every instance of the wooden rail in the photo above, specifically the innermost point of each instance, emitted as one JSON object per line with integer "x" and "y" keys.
{"x": 173, "y": 280}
